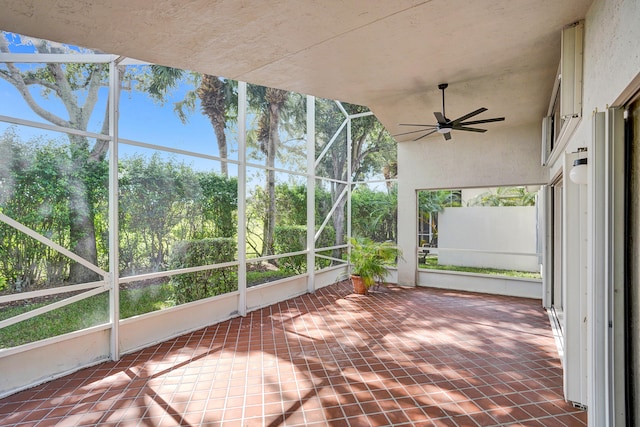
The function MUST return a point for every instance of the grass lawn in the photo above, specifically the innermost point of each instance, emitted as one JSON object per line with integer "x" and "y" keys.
{"x": 94, "y": 310}
{"x": 432, "y": 264}
{"x": 83, "y": 314}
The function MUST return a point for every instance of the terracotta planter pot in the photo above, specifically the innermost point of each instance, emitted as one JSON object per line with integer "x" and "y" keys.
{"x": 359, "y": 286}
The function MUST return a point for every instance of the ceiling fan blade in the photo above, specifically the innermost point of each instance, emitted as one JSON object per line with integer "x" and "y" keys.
{"x": 469, "y": 129}
{"x": 471, "y": 114}
{"x": 447, "y": 136}
{"x": 427, "y": 134}
{"x": 413, "y": 131}
{"x": 440, "y": 118}
{"x": 412, "y": 124}
{"x": 477, "y": 122}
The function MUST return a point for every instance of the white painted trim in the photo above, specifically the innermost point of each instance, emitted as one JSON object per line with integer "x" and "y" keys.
{"x": 187, "y": 318}
{"x": 176, "y": 150}
{"x": 53, "y": 291}
{"x": 275, "y": 169}
{"x": 311, "y": 192}
{"x": 242, "y": 197}
{"x": 597, "y": 325}
{"x": 47, "y": 308}
{"x": 53, "y": 245}
{"x": 321, "y": 178}
{"x": 330, "y": 143}
{"x": 268, "y": 293}
{"x": 333, "y": 209}
{"x": 58, "y": 58}
{"x": 22, "y": 367}
{"x": 169, "y": 273}
{"x": 54, "y": 128}
{"x": 113, "y": 215}
{"x": 615, "y": 238}
{"x": 483, "y": 283}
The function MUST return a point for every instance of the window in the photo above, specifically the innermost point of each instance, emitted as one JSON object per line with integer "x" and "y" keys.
{"x": 565, "y": 107}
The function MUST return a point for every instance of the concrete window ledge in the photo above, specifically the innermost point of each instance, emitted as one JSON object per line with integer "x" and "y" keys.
{"x": 485, "y": 283}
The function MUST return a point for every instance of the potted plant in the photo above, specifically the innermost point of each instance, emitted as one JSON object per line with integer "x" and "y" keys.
{"x": 368, "y": 261}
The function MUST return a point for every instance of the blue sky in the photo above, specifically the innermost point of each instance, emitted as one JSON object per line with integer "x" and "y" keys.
{"x": 141, "y": 119}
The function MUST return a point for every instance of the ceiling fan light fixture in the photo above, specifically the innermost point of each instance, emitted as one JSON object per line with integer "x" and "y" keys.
{"x": 444, "y": 130}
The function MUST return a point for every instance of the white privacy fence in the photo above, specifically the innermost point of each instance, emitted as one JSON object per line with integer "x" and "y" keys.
{"x": 493, "y": 237}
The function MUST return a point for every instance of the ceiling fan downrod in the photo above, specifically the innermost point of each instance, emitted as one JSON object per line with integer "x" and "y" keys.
{"x": 442, "y": 87}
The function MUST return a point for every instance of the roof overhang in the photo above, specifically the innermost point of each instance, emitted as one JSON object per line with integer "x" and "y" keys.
{"x": 387, "y": 55}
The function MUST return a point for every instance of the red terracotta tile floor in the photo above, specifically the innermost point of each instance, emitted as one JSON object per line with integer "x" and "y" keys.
{"x": 397, "y": 357}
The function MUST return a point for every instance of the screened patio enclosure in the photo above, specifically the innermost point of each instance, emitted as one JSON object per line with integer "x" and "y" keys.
{"x": 138, "y": 202}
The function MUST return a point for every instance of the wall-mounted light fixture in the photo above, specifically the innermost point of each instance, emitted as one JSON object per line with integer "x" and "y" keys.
{"x": 578, "y": 172}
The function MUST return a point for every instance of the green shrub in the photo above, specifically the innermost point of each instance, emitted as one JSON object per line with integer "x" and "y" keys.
{"x": 293, "y": 238}
{"x": 203, "y": 284}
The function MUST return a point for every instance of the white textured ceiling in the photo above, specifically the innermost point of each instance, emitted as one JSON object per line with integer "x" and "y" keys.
{"x": 387, "y": 54}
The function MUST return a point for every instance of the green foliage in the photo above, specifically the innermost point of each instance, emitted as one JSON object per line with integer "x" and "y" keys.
{"x": 374, "y": 214}
{"x": 368, "y": 259}
{"x": 35, "y": 189}
{"x": 162, "y": 201}
{"x": 155, "y": 196}
{"x": 219, "y": 202}
{"x": 291, "y": 201}
{"x": 505, "y": 196}
{"x": 82, "y": 314}
{"x": 293, "y": 238}
{"x": 431, "y": 203}
{"x": 431, "y": 263}
{"x": 207, "y": 283}
{"x": 145, "y": 299}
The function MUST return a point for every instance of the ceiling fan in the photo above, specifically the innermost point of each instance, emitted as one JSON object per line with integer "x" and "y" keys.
{"x": 445, "y": 126}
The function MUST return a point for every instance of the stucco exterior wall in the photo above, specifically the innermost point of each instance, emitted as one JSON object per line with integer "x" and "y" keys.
{"x": 611, "y": 62}
{"x": 503, "y": 156}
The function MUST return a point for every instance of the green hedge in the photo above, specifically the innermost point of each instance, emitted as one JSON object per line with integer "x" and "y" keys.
{"x": 293, "y": 238}
{"x": 203, "y": 284}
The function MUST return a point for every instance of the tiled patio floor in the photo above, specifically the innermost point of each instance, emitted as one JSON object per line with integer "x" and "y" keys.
{"x": 398, "y": 357}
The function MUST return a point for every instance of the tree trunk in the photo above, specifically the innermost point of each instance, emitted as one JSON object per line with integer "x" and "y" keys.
{"x": 222, "y": 149}
{"x": 270, "y": 217}
{"x": 82, "y": 228}
{"x": 339, "y": 218}
{"x": 212, "y": 99}
{"x": 275, "y": 99}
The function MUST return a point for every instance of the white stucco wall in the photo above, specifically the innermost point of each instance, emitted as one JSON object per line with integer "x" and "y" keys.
{"x": 611, "y": 62}
{"x": 504, "y": 156}
{"x": 611, "y": 66}
{"x": 495, "y": 237}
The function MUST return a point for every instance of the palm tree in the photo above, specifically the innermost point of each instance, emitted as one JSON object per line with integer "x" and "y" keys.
{"x": 217, "y": 97}
{"x": 430, "y": 203}
{"x": 214, "y": 93}
{"x": 505, "y": 196}
{"x": 269, "y": 140}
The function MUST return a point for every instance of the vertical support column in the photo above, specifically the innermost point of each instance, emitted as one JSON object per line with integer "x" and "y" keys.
{"x": 349, "y": 180}
{"x": 407, "y": 219}
{"x": 114, "y": 274}
{"x": 242, "y": 191}
{"x": 311, "y": 192}
{"x": 597, "y": 283}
